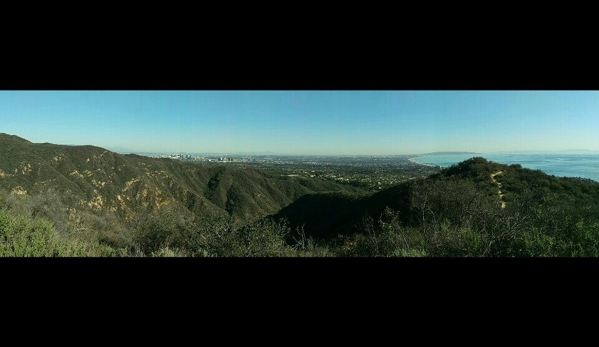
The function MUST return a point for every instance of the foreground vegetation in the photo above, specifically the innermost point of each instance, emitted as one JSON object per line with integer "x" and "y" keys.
{"x": 26, "y": 230}
{"x": 455, "y": 213}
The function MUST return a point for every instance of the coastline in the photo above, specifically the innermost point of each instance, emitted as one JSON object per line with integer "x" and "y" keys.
{"x": 413, "y": 160}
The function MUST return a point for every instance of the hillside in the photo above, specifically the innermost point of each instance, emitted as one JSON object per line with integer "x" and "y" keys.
{"x": 93, "y": 179}
{"x": 472, "y": 194}
{"x": 58, "y": 200}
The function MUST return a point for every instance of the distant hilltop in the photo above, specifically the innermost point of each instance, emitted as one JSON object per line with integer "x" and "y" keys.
{"x": 449, "y": 153}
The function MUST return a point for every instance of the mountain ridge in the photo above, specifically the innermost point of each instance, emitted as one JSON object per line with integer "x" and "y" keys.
{"x": 79, "y": 180}
{"x": 93, "y": 178}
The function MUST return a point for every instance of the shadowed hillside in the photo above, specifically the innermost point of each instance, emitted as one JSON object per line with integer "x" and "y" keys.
{"x": 465, "y": 195}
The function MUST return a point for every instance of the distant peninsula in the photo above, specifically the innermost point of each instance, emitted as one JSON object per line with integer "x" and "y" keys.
{"x": 449, "y": 153}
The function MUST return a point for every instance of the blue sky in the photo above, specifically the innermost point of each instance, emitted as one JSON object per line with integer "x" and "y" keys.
{"x": 306, "y": 122}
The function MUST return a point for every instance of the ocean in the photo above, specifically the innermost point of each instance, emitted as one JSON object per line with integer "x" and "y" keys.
{"x": 562, "y": 165}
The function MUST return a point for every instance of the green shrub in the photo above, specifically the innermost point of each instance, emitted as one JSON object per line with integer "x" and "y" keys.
{"x": 26, "y": 237}
{"x": 586, "y": 240}
{"x": 154, "y": 231}
{"x": 217, "y": 237}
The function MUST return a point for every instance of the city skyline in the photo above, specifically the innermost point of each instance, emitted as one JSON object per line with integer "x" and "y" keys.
{"x": 306, "y": 122}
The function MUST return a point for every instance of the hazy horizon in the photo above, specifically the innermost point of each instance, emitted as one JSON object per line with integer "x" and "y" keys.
{"x": 307, "y": 122}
